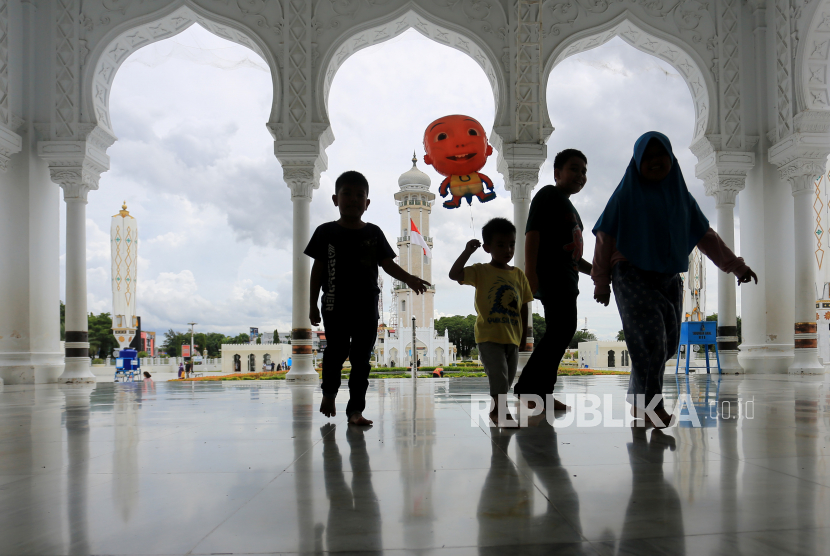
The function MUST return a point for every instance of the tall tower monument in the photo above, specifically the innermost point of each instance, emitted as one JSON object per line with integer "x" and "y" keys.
{"x": 124, "y": 249}
{"x": 414, "y": 202}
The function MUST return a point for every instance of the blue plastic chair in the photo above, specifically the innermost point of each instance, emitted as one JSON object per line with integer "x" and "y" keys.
{"x": 703, "y": 333}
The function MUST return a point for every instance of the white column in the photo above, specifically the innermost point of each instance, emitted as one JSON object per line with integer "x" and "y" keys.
{"x": 77, "y": 166}
{"x": 77, "y": 335}
{"x": 806, "y": 338}
{"x": 727, "y": 299}
{"x": 724, "y": 176}
{"x": 301, "y": 357}
{"x": 801, "y": 158}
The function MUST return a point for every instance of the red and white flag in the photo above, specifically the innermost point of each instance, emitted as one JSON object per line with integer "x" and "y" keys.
{"x": 418, "y": 239}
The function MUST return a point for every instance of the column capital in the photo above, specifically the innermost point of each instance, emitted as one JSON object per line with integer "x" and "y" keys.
{"x": 77, "y": 165}
{"x": 302, "y": 159}
{"x": 519, "y": 164}
{"x": 723, "y": 172}
{"x": 802, "y": 156}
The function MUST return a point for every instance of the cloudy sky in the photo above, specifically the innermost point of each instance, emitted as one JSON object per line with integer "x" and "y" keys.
{"x": 195, "y": 164}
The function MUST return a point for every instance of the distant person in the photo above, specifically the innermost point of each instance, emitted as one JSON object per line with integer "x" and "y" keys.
{"x": 188, "y": 368}
{"x": 644, "y": 237}
{"x": 501, "y": 298}
{"x": 279, "y": 366}
{"x": 553, "y": 261}
{"x": 346, "y": 256}
{"x": 181, "y": 369}
{"x": 392, "y": 363}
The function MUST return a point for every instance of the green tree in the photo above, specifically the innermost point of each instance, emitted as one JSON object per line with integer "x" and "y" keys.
{"x": 581, "y": 336}
{"x": 474, "y": 353}
{"x": 63, "y": 322}
{"x": 101, "y": 341}
{"x": 714, "y": 317}
{"x": 460, "y": 330}
{"x": 621, "y": 336}
{"x": 539, "y": 327}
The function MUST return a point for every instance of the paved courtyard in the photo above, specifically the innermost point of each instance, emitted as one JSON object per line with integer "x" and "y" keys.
{"x": 253, "y": 468}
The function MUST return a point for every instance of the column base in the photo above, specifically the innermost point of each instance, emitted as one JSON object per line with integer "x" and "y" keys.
{"x": 523, "y": 357}
{"x": 77, "y": 371}
{"x": 302, "y": 369}
{"x": 30, "y": 368}
{"x": 805, "y": 362}
{"x": 729, "y": 361}
{"x": 766, "y": 358}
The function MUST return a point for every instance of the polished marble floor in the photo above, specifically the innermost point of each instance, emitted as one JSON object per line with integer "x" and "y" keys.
{"x": 253, "y": 468}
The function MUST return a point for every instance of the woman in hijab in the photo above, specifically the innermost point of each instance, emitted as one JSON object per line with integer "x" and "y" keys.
{"x": 644, "y": 237}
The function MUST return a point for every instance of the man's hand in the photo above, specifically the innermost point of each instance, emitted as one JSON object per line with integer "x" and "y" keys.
{"x": 747, "y": 277}
{"x": 472, "y": 246}
{"x": 603, "y": 298}
{"x": 523, "y": 343}
{"x": 418, "y": 285}
{"x": 533, "y": 280}
{"x": 314, "y": 315}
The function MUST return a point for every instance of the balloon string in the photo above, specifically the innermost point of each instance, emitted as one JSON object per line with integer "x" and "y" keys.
{"x": 472, "y": 224}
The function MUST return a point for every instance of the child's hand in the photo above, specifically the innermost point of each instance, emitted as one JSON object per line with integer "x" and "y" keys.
{"x": 747, "y": 277}
{"x": 314, "y": 315}
{"x": 418, "y": 286}
{"x": 472, "y": 246}
{"x": 603, "y": 298}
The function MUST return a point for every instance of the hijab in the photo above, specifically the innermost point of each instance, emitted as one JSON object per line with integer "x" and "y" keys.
{"x": 656, "y": 224}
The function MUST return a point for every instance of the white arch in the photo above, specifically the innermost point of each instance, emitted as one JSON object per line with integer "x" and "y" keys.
{"x": 632, "y": 31}
{"x": 390, "y": 26}
{"x": 812, "y": 86}
{"x": 125, "y": 39}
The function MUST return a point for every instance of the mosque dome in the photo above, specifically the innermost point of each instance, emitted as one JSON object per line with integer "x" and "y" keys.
{"x": 414, "y": 176}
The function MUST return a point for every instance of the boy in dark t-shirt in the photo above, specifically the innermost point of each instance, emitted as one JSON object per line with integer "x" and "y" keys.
{"x": 553, "y": 261}
{"x": 346, "y": 256}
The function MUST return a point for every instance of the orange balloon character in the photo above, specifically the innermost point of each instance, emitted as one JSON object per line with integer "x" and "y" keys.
{"x": 457, "y": 147}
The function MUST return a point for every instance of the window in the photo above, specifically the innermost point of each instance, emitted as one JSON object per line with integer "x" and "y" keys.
{"x": 403, "y": 305}
{"x": 426, "y": 259}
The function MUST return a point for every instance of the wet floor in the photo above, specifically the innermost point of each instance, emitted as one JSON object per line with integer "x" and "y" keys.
{"x": 253, "y": 468}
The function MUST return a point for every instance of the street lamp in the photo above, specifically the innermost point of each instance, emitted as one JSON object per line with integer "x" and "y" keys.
{"x": 192, "y": 324}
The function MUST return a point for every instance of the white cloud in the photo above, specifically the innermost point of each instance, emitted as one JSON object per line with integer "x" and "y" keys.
{"x": 195, "y": 163}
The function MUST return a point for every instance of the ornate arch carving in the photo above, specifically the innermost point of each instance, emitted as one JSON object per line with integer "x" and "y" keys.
{"x": 410, "y": 17}
{"x": 815, "y": 61}
{"x": 114, "y": 49}
{"x": 650, "y": 41}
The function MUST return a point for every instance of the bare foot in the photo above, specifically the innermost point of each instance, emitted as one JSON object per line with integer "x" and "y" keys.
{"x": 494, "y": 417}
{"x": 327, "y": 407}
{"x": 359, "y": 420}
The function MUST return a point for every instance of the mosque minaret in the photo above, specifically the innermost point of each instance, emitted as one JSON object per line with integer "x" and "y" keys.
{"x": 414, "y": 202}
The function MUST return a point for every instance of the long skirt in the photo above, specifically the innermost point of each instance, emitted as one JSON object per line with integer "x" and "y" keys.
{"x": 650, "y": 305}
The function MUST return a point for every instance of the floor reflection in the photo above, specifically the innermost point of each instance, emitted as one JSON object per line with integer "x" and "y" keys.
{"x": 353, "y": 507}
{"x": 211, "y": 468}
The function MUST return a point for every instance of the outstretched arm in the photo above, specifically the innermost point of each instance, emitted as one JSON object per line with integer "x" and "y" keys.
{"x": 485, "y": 180}
{"x": 457, "y": 270}
{"x": 444, "y": 188}
{"x": 418, "y": 285}
{"x": 713, "y": 247}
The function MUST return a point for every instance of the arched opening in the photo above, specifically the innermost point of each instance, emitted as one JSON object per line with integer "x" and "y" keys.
{"x": 252, "y": 363}
{"x": 377, "y": 131}
{"x": 193, "y": 148}
{"x": 111, "y": 53}
{"x": 237, "y": 363}
{"x": 603, "y": 93}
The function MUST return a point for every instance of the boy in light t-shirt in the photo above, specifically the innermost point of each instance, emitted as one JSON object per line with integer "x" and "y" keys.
{"x": 502, "y": 295}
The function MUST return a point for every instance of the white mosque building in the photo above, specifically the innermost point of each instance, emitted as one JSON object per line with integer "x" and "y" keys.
{"x": 414, "y": 202}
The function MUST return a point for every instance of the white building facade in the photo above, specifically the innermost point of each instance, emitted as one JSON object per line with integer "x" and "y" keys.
{"x": 757, "y": 71}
